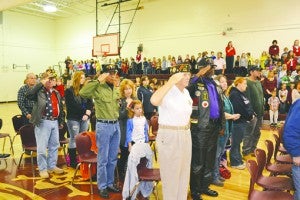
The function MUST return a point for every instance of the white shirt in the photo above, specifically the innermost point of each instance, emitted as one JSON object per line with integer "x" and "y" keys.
{"x": 220, "y": 62}
{"x": 138, "y": 134}
{"x": 176, "y": 108}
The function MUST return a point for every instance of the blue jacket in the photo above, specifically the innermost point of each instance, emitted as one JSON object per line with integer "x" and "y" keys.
{"x": 291, "y": 133}
{"x": 130, "y": 129}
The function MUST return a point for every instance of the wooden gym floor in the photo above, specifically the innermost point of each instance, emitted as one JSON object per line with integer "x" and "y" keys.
{"x": 20, "y": 184}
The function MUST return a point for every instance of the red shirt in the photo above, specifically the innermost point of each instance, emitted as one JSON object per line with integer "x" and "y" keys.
{"x": 61, "y": 90}
{"x": 296, "y": 50}
{"x": 269, "y": 85}
{"x": 54, "y": 102}
{"x": 138, "y": 57}
{"x": 291, "y": 64}
{"x": 230, "y": 52}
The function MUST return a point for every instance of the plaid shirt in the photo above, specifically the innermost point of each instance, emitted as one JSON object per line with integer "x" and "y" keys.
{"x": 24, "y": 104}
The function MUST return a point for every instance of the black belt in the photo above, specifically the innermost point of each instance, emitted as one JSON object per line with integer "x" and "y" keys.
{"x": 49, "y": 118}
{"x": 214, "y": 120}
{"x": 107, "y": 121}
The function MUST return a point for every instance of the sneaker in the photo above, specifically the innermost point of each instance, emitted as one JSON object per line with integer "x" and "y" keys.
{"x": 218, "y": 183}
{"x": 56, "y": 170}
{"x": 44, "y": 174}
{"x": 241, "y": 167}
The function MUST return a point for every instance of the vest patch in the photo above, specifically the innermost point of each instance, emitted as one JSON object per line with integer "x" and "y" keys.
{"x": 205, "y": 104}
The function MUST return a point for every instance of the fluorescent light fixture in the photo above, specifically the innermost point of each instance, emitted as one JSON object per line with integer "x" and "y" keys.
{"x": 49, "y": 8}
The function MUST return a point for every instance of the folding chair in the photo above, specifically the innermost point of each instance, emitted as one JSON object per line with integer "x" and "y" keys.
{"x": 263, "y": 195}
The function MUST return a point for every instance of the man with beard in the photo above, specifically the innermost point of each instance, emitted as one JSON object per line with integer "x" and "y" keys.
{"x": 254, "y": 93}
{"x": 207, "y": 122}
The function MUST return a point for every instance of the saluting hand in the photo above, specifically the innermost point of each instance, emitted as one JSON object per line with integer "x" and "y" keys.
{"x": 102, "y": 77}
{"x": 175, "y": 78}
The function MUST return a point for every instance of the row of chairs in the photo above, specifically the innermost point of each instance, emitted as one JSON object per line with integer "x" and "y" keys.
{"x": 279, "y": 183}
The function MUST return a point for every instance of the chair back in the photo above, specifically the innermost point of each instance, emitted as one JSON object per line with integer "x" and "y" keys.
{"x": 18, "y": 122}
{"x": 142, "y": 164}
{"x": 270, "y": 150}
{"x": 261, "y": 161}
{"x": 62, "y": 131}
{"x": 153, "y": 124}
{"x": 252, "y": 168}
{"x": 280, "y": 133}
{"x": 27, "y": 136}
{"x": 277, "y": 143}
{"x": 83, "y": 145}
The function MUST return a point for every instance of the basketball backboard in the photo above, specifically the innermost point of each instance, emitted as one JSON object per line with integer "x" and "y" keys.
{"x": 106, "y": 45}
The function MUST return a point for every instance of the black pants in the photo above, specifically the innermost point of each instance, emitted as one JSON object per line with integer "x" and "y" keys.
{"x": 122, "y": 162}
{"x": 229, "y": 64}
{"x": 204, "y": 146}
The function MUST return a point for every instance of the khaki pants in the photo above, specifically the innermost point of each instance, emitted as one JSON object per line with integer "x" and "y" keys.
{"x": 174, "y": 156}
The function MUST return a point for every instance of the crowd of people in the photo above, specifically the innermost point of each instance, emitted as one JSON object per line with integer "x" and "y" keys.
{"x": 198, "y": 112}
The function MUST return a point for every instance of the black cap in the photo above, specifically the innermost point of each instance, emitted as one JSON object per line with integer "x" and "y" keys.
{"x": 254, "y": 68}
{"x": 204, "y": 62}
{"x": 111, "y": 69}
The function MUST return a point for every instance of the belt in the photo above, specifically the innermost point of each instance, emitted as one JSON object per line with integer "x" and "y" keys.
{"x": 296, "y": 164}
{"x": 214, "y": 120}
{"x": 194, "y": 121}
{"x": 186, "y": 127}
{"x": 113, "y": 121}
{"x": 49, "y": 118}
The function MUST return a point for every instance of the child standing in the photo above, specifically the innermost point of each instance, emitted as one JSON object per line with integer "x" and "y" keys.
{"x": 282, "y": 94}
{"x": 273, "y": 102}
{"x": 137, "y": 125}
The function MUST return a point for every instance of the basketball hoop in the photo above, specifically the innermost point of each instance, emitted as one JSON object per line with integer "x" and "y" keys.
{"x": 104, "y": 54}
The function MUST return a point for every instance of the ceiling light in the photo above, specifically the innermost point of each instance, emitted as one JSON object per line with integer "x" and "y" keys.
{"x": 49, "y": 8}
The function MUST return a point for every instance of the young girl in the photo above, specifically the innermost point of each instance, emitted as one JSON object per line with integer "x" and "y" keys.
{"x": 282, "y": 94}
{"x": 273, "y": 102}
{"x": 137, "y": 125}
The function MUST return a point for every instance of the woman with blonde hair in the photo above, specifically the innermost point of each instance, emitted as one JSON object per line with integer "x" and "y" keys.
{"x": 128, "y": 94}
{"x": 78, "y": 112}
{"x": 241, "y": 105}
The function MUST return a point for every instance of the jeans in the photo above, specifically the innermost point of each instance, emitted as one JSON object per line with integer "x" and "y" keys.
{"x": 296, "y": 180}
{"x": 238, "y": 131}
{"x": 273, "y": 116}
{"x": 248, "y": 138}
{"x": 47, "y": 137}
{"x": 220, "y": 151}
{"x": 108, "y": 141}
{"x": 250, "y": 144}
{"x": 74, "y": 128}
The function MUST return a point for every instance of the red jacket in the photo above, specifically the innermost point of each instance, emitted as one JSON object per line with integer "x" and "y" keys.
{"x": 230, "y": 52}
{"x": 274, "y": 50}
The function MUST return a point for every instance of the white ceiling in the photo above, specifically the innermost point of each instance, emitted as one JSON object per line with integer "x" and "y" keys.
{"x": 66, "y": 8}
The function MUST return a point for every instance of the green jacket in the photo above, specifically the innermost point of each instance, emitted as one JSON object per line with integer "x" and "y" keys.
{"x": 106, "y": 100}
{"x": 255, "y": 94}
